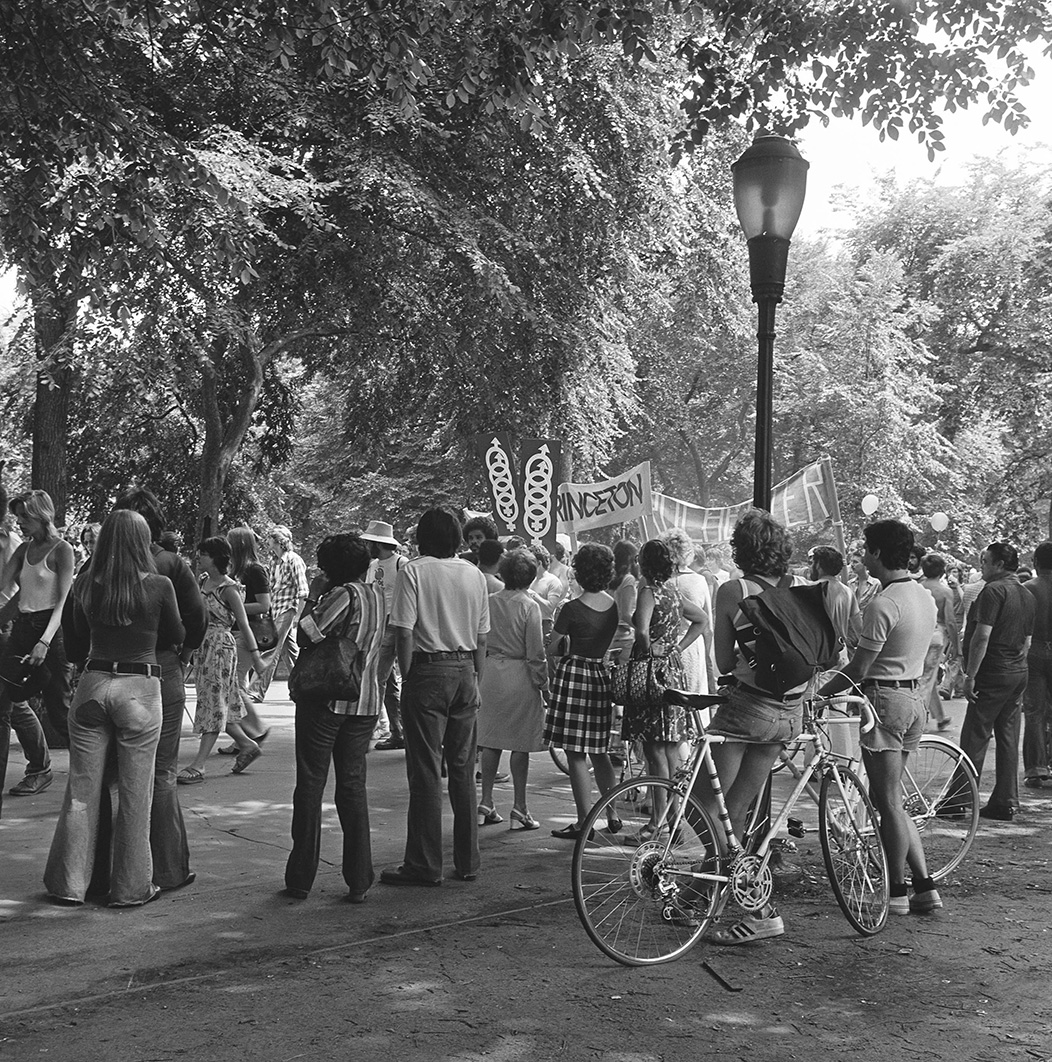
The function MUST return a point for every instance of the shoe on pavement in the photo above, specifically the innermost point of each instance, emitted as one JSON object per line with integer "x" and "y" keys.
{"x": 389, "y": 744}
{"x": 925, "y": 902}
{"x": 1035, "y": 783}
{"x": 748, "y": 929}
{"x": 32, "y": 784}
{"x": 401, "y": 876}
{"x": 998, "y": 812}
{"x": 898, "y": 905}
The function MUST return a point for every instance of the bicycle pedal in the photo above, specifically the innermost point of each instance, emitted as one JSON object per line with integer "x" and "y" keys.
{"x": 795, "y": 828}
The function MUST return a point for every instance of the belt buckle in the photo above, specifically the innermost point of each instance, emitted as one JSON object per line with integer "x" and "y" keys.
{"x": 113, "y": 667}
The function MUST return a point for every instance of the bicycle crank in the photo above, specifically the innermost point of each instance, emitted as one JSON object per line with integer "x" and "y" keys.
{"x": 751, "y": 882}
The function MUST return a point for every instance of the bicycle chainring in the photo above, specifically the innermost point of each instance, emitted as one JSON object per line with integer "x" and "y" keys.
{"x": 752, "y": 882}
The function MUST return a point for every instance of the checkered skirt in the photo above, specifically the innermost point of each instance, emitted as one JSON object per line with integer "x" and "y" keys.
{"x": 580, "y": 712}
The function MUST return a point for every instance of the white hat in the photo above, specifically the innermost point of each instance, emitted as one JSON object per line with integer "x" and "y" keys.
{"x": 378, "y": 531}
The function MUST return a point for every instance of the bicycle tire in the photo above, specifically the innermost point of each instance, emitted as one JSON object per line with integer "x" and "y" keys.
{"x": 940, "y": 792}
{"x": 633, "y": 904}
{"x": 854, "y": 854}
{"x": 559, "y": 759}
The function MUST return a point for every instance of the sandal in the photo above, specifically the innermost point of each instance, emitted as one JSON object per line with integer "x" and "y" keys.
{"x": 748, "y": 929}
{"x": 245, "y": 758}
{"x": 571, "y": 833}
{"x": 525, "y": 820}
{"x": 490, "y": 816}
{"x": 614, "y": 826}
{"x": 190, "y": 776}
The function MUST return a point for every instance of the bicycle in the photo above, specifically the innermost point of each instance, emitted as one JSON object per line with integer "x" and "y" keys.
{"x": 648, "y": 899}
{"x": 940, "y": 792}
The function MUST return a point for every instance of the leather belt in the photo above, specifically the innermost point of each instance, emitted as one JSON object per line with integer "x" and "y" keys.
{"x": 455, "y": 654}
{"x": 894, "y": 684}
{"x": 124, "y": 667}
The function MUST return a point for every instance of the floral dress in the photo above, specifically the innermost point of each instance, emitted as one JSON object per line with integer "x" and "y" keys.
{"x": 218, "y": 690}
{"x": 658, "y": 721}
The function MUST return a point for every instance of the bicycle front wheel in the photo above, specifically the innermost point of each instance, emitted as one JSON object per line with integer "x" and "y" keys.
{"x": 941, "y": 794}
{"x": 637, "y": 891}
{"x": 852, "y": 849}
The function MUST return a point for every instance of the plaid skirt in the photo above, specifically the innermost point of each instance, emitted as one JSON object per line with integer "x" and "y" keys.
{"x": 580, "y": 712}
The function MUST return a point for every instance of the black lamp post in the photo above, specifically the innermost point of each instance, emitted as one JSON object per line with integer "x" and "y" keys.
{"x": 769, "y": 184}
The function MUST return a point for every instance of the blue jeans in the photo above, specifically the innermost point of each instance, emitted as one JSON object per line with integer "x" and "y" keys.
{"x": 322, "y": 735}
{"x": 109, "y": 711}
{"x": 996, "y": 712}
{"x": 440, "y": 702}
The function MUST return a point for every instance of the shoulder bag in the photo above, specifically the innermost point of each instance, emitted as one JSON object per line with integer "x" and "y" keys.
{"x": 332, "y": 669}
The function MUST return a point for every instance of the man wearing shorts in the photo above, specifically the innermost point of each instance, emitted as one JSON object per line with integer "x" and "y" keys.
{"x": 896, "y": 631}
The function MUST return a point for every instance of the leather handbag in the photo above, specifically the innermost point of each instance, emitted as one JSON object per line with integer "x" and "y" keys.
{"x": 262, "y": 626}
{"x": 332, "y": 669}
{"x": 639, "y": 683}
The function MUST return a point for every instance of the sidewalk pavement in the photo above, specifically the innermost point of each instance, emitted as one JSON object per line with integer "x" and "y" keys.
{"x": 233, "y": 914}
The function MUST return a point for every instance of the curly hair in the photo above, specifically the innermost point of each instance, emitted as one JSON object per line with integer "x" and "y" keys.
{"x": 655, "y": 562}
{"x": 544, "y": 558}
{"x": 680, "y": 546}
{"x": 344, "y": 558}
{"x": 760, "y": 545}
{"x": 593, "y": 567}
{"x": 827, "y": 560}
{"x": 518, "y": 569}
{"x": 480, "y": 523}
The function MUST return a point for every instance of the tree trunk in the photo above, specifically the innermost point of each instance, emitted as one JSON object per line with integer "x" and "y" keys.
{"x": 53, "y": 320}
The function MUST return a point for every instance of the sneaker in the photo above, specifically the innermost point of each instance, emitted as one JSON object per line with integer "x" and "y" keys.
{"x": 32, "y": 784}
{"x": 747, "y": 930}
{"x": 898, "y": 905}
{"x": 924, "y": 902}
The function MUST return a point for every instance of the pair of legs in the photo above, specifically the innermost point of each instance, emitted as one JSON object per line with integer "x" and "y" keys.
{"x": 208, "y": 739}
{"x": 898, "y": 831}
{"x": 439, "y": 718}
{"x": 581, "y": 784}
{"x": 391, "y": 682}
{"x": 1037, "y": 712}
{"x": 520, "y": 769}
{"x": 321, "y": 736}
{"x": 250, "y": 719}
{"x": 995, "y": 712}
{"x": 663, "y": 759}
{"x": 111, "y": 713}
{"x": 929, "y": 682}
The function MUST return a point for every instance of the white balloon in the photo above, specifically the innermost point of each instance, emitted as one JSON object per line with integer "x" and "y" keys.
{"x": 939, "y": 521}
{"x": 870, "y": 504}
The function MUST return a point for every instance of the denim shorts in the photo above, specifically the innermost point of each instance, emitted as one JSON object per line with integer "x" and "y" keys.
{"x": 901, "y": 716}
{"x": 750, "y": 718}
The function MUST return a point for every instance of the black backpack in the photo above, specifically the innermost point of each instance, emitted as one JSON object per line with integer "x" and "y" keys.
{"x": 791, "y": 636}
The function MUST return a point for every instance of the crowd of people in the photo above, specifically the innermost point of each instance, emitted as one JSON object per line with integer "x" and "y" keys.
{"x": 471, "y": 647}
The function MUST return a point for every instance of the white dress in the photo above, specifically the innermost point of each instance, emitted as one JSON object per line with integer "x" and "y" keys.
{"x": 695, "y": 589}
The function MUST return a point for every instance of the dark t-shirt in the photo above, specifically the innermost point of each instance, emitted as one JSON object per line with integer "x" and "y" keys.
{"x": 590, "y": 631}
{"x": 256, "y": 582}
{"x": 1008, "y": 609}
{"x": 1041, "y": 588}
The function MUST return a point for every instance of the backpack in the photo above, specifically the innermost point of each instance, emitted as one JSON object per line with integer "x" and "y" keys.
{"x": 790, "y": 636}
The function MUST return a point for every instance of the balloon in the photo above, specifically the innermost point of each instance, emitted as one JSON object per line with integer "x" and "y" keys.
{"x": 870, "y": 504}
{"x": 939, "y": 521}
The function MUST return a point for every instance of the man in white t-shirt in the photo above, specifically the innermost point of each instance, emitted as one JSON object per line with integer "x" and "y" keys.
{"x": 440, "y": 618}
{"x": 888, "y": 664}
{"x": 386, "y": 565}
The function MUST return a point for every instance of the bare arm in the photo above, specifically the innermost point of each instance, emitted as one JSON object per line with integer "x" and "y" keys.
{"x": 404, "y": 642}
{"x": 64, "y": 563}
{"x": 853, "y": 674}
{"x": 641, "y": 620}
{"x": 728, "y": 597}
{"x": 233, "y": 601}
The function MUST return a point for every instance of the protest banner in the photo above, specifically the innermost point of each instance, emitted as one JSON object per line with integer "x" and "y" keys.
{"x": 540, "y": 463}
{"x": 498, "y": 473}
{"x": 582, "y": 506}
{"x": 807, "y": 498}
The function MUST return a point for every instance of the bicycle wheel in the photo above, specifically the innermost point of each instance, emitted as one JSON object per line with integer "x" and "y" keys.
{"x": 559, "y": 759}
{"x": 851, "y": 847}
{"x": 941, "y": 794}
{"x": 637, "y": 896}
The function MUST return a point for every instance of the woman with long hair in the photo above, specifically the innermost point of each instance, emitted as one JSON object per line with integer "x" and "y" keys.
{"x": 246, "y": 568}
{"x": 658, "y": 614}
{"x": 34, "y": 660}
{"x": 120, "y": 609}
{"x": 339, "y": 604}
{"x": 699, "y": 674}
{"x": 220, "y": 697}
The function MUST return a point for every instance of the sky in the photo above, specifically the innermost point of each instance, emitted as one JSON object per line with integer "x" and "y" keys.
{"x": 850, "y": 154}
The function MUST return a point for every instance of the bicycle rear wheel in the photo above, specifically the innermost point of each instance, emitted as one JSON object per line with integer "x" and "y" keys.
{"x": 636, "y": 895}
{"x": 559, "y": 759}
{"x": 941, "y": 795}
{"x": 851, "y": 847}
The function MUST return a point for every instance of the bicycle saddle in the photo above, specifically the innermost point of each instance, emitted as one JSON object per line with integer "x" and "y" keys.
{"x": 696, "y": 701}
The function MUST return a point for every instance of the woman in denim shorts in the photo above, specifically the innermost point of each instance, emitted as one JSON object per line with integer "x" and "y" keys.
{"x": 759, "y": 724}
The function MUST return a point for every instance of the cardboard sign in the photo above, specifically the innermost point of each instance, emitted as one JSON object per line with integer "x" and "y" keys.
{"x": 498, "y": 472}
{"x": 586, "y": 505}
{"x": 540, "y": 461}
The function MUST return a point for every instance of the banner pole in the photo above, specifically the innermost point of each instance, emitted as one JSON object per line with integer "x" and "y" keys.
{"x": 838, "y": 523}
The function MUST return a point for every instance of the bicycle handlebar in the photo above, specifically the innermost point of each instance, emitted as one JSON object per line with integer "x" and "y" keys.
{"x": 842, "y": 700}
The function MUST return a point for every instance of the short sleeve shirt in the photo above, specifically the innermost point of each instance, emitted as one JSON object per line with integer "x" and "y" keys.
{"x": 898, "y": 625}
{"x": 444, "y": 601}
{"x": 1008, "y": 609}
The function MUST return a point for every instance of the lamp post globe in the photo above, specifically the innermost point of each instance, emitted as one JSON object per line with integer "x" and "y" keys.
{"x": 770, "y": 180}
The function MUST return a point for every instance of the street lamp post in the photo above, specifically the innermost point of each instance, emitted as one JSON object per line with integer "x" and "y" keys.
{"x": 770, "y": 179}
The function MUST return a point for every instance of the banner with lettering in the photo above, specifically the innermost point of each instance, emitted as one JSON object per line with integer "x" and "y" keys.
{"x": 582, "y": 506}
{"x": 498, "y": 473}
{"x": 540, "y": 464}
{"x": 809, "y": 497}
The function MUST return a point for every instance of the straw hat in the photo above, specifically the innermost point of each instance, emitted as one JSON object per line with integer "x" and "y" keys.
{"x": 378, "y": 531}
